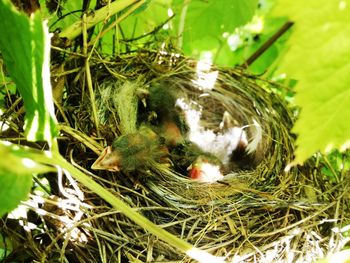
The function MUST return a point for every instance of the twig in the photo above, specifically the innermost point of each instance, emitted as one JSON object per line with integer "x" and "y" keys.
{"x": 330, "y": 167}
{"x": 75, "y": 29}
{"x": 81, "y": 137}
{"x": 155, "y": 30}
{"x": 119, "y": 19}
{"x": 88, "y": 77}
{"x": 267, "y": 44}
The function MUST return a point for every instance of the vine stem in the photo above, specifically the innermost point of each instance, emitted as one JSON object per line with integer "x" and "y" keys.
{"x": 54, "y": 158}
{"x": 190, "y": 250}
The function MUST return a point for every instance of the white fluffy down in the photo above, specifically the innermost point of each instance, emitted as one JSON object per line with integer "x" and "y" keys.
{"x": 219, "y": 144}
{"x": 209, "y": 173}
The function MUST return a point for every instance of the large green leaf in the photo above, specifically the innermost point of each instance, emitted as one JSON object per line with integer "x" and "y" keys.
{"x": 25, "y": 47}
{"x": 206, "y": 21}
{"x": 319, "y": 57}
{"x": 16, "y": 176}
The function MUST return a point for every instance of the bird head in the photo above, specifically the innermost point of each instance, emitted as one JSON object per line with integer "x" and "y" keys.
{"x": 132, "y": 151}
{"x": 108, "y": 160}
{"x": 205, "y": 169}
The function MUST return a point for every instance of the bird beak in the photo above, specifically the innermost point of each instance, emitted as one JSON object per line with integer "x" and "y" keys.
{"x": 108, "y": 160}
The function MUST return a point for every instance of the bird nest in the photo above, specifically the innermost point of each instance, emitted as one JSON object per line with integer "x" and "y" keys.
{"x": 255, "y": 212}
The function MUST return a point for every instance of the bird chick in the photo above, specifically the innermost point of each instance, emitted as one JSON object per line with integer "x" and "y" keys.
{"x": 161, "y": 112}
{"x": 206, "y": 169}
{"x": 133, "y": 151}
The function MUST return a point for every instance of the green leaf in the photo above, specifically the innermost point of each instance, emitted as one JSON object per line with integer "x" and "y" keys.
{"x": 6, "y": 247}
{"x": 15, "y": 176}
{"x": 319, "y": 58}
{"x": 15, "y": 187}
{"x": 210, "y": 19}
{"x": 153, "y": 14}
{"x": 72, "y": 10}
{"x": 25, "y": 47}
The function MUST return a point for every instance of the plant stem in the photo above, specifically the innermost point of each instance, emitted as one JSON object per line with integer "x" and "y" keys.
{"x": 75, "y": 29}
{"x": 267, "y": 44}
{"x": 88, "y": 77}
{"x": 54, "y": 158}
{"x": 128, "y": 211}
{"x": 117, "y": 21}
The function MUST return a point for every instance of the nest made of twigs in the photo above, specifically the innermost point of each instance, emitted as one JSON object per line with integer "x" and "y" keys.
{"x": 261, "y": 213}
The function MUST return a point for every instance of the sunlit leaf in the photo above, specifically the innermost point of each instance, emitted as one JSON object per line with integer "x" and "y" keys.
{"x": 25, "y": 47}
{"x": 16, "y": 176}
{"x": 72, "y": 10}
{"x": 205, "y": 20}
{"x": 319, "y": 58}
{"x": 339, "y": 257}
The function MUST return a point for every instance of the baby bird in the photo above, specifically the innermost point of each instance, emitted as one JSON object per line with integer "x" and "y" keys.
{"x": 163, "y": 115}
{"x": 133, "y": 151}
{"x": 206, "y": 169}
